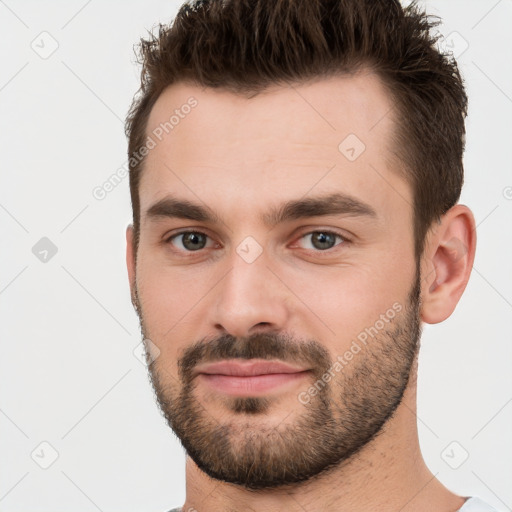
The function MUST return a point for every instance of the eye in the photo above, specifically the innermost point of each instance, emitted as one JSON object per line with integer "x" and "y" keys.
{"x": 322, "y": 240}
{"x": 189, "y": 241}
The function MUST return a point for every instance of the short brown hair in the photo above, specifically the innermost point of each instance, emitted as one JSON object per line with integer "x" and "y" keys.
{"x": 244, "y": 46}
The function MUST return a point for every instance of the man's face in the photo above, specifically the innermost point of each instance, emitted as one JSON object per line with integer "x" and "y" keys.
{"x": 276, "y": 273}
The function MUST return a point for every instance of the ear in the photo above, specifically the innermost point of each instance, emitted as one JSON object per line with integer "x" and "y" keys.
{"x": 447, "y": 263}
{"x": 130, "y": 260}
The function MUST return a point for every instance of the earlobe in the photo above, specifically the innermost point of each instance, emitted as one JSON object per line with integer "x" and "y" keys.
{"x": 448, "y": 260}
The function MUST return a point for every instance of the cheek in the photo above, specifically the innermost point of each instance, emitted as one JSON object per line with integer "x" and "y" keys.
{"x": 337, "y": 304}
{"x": 170, "y": 296}
{"x": 165, "y": 304}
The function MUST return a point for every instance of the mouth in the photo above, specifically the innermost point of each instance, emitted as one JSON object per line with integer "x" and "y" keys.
{"x": 249, "y": 378}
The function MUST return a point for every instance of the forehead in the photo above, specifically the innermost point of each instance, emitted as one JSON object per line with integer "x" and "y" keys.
{"x": 321, "y": 111}
{"x": 329, "y": 134}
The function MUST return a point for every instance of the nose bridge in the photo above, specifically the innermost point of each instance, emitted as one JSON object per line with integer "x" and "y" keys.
{"x": 248, "y": 279}
{"x": 249, "y": 295}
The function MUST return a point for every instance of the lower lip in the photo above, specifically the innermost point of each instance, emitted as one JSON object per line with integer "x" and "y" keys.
{"x": 250, "y": 386}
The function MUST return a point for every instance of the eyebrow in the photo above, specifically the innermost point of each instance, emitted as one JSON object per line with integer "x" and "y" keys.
{"x": 332, "y": 204}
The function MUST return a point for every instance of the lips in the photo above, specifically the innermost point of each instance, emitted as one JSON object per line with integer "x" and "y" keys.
{"x": 249, "y": 368}
{"x": 249, "y": 378}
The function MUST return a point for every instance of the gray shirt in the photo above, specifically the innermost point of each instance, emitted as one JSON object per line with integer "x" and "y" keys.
{"x": 473, "y": 504}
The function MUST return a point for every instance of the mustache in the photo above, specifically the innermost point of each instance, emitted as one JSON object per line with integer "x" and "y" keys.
{"x": 276, "y": 346}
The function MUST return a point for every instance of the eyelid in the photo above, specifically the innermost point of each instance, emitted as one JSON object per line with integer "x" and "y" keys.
{"x": 172, "y": 234}
{"x": 345, "y": 239}
{"x": 168, "y": 238}
{"x": 315, "y": 229}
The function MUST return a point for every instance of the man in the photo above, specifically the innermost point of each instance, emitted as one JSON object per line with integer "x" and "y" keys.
{"x": 295, "y": 168}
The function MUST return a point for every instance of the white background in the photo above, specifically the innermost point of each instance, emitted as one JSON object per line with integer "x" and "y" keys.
{"x": 68, "y": 373}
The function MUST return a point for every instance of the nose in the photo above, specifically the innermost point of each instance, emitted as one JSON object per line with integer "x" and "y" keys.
{"x": 249, "y": 298}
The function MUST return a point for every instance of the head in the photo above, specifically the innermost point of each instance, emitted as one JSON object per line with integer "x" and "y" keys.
{"x": 294, "y": 174}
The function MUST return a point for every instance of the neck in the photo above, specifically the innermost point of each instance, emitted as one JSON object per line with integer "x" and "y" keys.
{"x": 388, "y": 474}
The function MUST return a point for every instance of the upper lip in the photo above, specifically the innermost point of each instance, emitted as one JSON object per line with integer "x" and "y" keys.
{"x": 247, "y": 368}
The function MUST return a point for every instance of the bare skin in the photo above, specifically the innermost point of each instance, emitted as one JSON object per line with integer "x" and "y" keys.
{"x": 240, "y": 157}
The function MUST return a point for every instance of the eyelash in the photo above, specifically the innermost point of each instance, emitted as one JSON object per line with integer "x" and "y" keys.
{"x": 344, "y": 242}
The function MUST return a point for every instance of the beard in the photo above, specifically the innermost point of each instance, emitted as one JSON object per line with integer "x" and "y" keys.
{"x": 326, "y": 432}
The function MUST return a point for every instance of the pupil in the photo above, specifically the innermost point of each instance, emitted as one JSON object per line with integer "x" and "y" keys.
{"x": 323, "y": 240}
{"x": 189, "y": 239}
